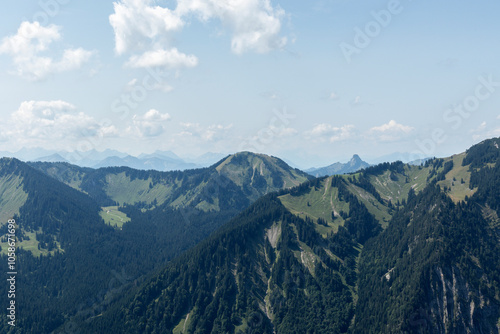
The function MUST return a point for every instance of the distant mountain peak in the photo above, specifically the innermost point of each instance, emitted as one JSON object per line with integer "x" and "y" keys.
{"x": 56, "y": 157}
{"x": 260, "y": 171}
{"x": 353, "y": 165}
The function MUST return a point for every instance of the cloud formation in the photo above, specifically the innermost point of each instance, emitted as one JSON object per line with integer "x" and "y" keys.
{"x": 255, "y": 24}
{"x": 484, "y": 131}
{"x": 212, "y": 132}
{"x": 151, "y": 123}
{"x": 30, "y": 42}
{"x": 391, "y": 131}
{"x": 326, "y": 132}
{"x": 137, "y": 24}
{"x": 43, "y": 122}
{"x": 163, "y": 58}
{"x": 146, "y": 30}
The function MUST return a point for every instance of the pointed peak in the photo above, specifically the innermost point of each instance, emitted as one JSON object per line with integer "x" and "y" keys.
{"x": 355, "y": 157}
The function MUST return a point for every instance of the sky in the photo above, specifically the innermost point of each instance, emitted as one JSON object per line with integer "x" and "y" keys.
{"x": 312, "y": 82}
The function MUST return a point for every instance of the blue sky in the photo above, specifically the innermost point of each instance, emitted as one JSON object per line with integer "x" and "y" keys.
{"x": 309, "y": 81}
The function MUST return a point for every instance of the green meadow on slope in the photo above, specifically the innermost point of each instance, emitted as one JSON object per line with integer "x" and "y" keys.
{"x": 113, "y": 217}
{"x": 12, "y": 196}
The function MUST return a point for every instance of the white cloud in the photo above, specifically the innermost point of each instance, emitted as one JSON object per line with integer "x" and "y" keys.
{"x": 212, "y": 132}
{"x": 108, "y": 131}
{"x": 392, "y": 126}
{"x": 151, "y": 123}
{"x": 326, "y": 132}
{"x": 321, "y": 130}
{"x": 282, "y": 131}
{"x": 73, "y": 59}
{"x": 483, "y": 132}
{"x": 146, "y": 30}
{"x": 21, "y": 43}
{"x": 391, "y": 131}
{"x": 142, "y": 27}
{"x": 255, "y": 24}
{"x": 154, "y": 115}
{"x": 47, "y": 122}
{"x": 138, "y": 24}
{"x": 163, "y": 58}
{"x": 31, "y": 40}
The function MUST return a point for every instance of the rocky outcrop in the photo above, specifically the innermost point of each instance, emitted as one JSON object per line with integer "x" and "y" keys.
{"x": 453, "y": 305}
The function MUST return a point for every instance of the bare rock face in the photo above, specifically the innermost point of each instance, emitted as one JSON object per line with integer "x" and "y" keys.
{"x": 454, "y": 307}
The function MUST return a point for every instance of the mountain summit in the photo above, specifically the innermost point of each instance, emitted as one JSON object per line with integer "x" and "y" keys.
{"x": 353, "y": 165}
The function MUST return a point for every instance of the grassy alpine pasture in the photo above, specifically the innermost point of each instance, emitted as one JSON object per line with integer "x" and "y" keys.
{"x": 319, "y": 202}
{"x": 29, "y": 243}
{"x": 12, "y": 197}
{"x": 113, "y": 217}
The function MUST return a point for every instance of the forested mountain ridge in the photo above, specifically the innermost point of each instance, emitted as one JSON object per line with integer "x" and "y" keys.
{"x": 246, "y": 277}
{"x": 436, "y": 269}
{"x": 58, "y": 231}
{"x": 393, "y": 249}
{"x": 232, "y": 183}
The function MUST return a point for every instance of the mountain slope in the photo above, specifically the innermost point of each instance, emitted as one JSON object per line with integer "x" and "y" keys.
{"x": 395, "y": 248}
{"x": 56, "y": 225}
{"x": 353, "y": 165}
{"x": 435, "y": 268}
{"x": 268, "y": 270}
{"x": 71, "y": 262}
{"x": 258, "y": 174}
{"x": 257, "y": 275}
{"x": 12, "y": 194}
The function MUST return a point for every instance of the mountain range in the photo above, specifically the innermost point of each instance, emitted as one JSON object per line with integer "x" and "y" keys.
{"x": 251, "y": 245}
{"x": 159, "y": 160}
{"x": 167, "y": 160}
